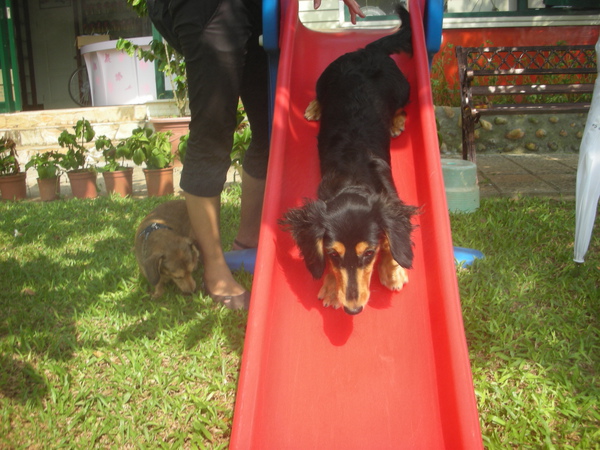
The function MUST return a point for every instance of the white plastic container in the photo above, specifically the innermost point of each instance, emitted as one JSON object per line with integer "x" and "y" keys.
{"x": 460, "y": 183}
{"x": 117, "y": 78}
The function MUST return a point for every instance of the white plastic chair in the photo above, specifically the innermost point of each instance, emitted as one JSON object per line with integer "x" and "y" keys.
{"x": 588, "y": 174}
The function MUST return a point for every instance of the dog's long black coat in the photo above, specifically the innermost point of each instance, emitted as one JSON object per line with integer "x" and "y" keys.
{"x": 359, "y": 95}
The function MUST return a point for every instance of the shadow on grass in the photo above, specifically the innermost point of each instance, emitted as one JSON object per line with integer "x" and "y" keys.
{"x": 199, "y": 317}
{"x": 66, "y": 264}
{"x": 20, "y": 381}
{"x": 37, "y": 308}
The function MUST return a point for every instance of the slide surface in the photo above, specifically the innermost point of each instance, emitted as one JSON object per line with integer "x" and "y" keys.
{"x": 395, "y": 376}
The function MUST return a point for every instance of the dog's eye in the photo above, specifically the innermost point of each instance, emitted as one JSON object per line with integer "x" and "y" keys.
{"x": 333, "y": 255}
{"x": 368, "y": 256}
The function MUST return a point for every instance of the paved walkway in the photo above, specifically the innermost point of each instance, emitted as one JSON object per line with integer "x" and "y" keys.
{"x": 507, "y": 175}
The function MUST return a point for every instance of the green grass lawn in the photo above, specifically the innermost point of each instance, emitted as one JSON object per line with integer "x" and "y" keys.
{"x": 88, "y": 359}
{"x": 532, "y": 319}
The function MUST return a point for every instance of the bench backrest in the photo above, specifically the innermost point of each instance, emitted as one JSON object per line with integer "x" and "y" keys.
{"x": 526, "y": 70}
{"x": 532, "y": 61}
{"x": 525, "y": 76}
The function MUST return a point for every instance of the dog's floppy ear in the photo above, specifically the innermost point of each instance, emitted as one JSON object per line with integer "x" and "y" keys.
{"x": 395, "y": 220}
{"x": 194, "y": 248}
{"x": 152, "y": 267}
{"x": 306, "y": 226}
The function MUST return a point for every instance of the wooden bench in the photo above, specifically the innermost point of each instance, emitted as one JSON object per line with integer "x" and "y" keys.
{"x": 530, "y": 75}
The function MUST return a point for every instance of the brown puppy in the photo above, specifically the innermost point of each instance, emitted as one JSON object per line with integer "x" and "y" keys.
{"x": 165, "y": 248}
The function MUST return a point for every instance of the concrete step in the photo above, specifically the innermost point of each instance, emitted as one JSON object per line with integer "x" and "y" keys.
{"x": 40, "y": 129}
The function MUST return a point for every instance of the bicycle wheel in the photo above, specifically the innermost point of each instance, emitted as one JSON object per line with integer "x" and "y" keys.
{"x": 79, "y": 87}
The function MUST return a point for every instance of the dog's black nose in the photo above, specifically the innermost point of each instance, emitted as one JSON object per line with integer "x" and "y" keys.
{"x": 353, "y": 312}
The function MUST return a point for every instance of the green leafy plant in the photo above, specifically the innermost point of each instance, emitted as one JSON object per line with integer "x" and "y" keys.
{"x": 151, "y": 148}
{"x": 48, "y": 164}
{"x": 139, "y": 6}
{"x": 9, "y": 163}
{"x": 114, "y": 155}
{"x": 168, "y": 61}
{"x": 76, "y": 157}
{"x": 241, "y": 138}
{"x": 182, "y": 147}
{"x": 445, "y": 92}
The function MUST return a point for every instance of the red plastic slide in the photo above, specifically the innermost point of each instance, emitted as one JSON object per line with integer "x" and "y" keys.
{"x": 395, "y": 376}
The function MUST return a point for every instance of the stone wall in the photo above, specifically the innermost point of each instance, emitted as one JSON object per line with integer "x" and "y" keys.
{"x": 516, "y": 134}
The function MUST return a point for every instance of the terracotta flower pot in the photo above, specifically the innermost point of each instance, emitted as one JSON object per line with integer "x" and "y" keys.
{"x": 13, "y": 187}
{"x": 179, "y": 126}
{"x": 119, "y": 182}
{"x": 49, "y": 188}
{"x": 83, "y": 184}
{"x": 159, "y": 181}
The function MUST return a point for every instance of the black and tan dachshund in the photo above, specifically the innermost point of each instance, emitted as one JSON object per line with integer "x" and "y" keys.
{"x": 358, "y": 220}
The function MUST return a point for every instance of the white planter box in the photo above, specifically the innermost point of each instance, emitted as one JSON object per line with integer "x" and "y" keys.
{"x": 117, "y": 78}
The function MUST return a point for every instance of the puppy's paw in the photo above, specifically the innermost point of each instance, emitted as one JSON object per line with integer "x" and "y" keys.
{"x": 313, "y": 111}
{"x": 393, "y": 277}
{"x": 159, "y": 290}
{"x": 328, "y": 292}
{"x": 398, "y": 123}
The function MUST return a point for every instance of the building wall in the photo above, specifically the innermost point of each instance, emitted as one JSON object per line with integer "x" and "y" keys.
{"x": 477, "y": 31}
{"x": 54, "y": 52}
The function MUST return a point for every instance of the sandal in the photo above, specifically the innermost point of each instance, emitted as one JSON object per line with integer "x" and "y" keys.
{"x": 240, "y": 301}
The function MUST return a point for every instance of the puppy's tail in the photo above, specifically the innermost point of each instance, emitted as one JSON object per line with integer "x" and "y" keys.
{"x": 400, "y": 41}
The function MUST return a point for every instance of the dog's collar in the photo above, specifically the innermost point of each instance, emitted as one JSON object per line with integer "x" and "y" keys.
{"x": 153, "y": 227}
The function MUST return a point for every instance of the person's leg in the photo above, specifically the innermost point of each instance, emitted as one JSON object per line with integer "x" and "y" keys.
{"x": 254, "y": 94}
{"x": 215, "y": 58}
{"x": 218, "y": 280}
{"x": 253, "y": 191}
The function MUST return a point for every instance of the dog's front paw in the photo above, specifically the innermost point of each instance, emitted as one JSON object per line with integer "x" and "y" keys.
{"x": 394, "y": 278}
{"x": 159, "y": 290}
{"x": 398, "y": 123}
{"x": 313, "y": 111}
{"x": 328, "y": 292}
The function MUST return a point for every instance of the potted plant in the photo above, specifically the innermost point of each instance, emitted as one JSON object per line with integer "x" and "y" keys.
{"x": 153, "y": 149}
{"x": 117, "y": 177}
{"x": 48, "y": 166}
{"x": 13, "y": 184}
{"x": 182, "y": 147}
{"x": 82, "y": 176}
{"x": 172, "y": 64}
{"x": 168, "y": 61}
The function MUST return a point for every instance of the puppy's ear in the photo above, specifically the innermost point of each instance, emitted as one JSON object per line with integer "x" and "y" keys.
{"x": 194, "y": 249}
{"x": 152, "y": 267}
{"x": 395, "y": 220}
{"x": 307, "y": 227}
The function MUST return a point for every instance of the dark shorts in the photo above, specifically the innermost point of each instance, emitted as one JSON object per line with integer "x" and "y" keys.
{"x": 224, "y": 62}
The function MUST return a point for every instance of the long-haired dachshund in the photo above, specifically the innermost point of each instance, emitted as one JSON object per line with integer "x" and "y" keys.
{"x": 358, "y": 218}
